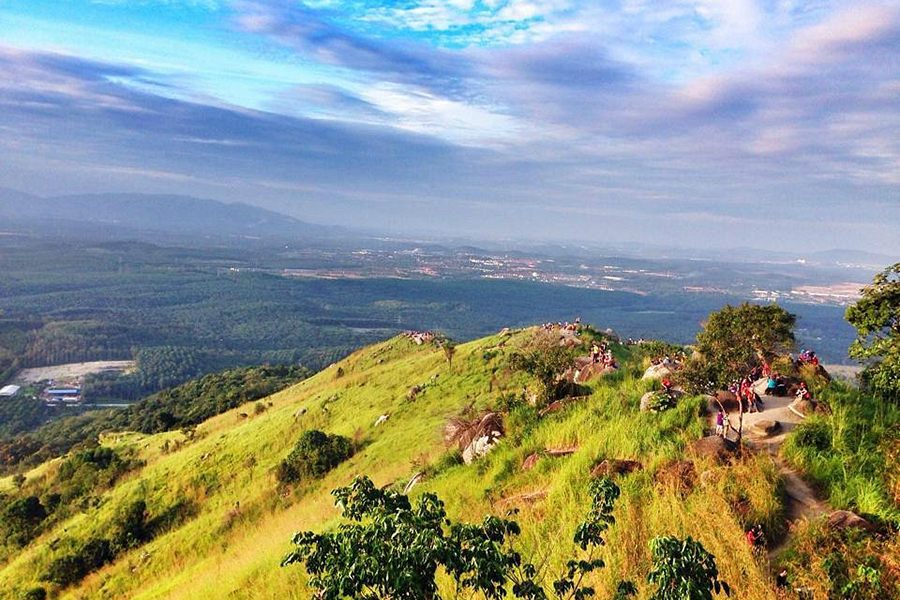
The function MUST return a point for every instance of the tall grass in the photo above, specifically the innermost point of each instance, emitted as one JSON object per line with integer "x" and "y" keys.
{"x": 243, "y": 521}
{"x": 845, "y": 453}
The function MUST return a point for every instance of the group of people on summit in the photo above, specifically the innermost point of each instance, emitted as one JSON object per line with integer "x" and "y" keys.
{"x": 600, "y": 352}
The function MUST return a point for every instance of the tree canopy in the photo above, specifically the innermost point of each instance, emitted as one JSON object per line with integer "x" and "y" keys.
{"x": 876, "y": 317}
{"x": 734, "y": 340}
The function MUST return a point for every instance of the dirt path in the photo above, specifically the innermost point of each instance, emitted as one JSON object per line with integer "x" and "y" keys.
{"x": 800, "y": 499}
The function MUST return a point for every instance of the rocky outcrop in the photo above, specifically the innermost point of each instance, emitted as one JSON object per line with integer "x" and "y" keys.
{"x": 658, "y": 372}
{"x": 845, "y": 519}
{"x": 591, "y": 371}
{"x": 765, "y": 428}
{"x": 480, "y": 446}
{"x": 418, "y": 477}
{"x": 713, "y": 447}
{"x": 802, "y": 408}
{"x": 475, "y": 438}
{"x": 611, "y": 467}
{"x": 530, "y": 461}
{"x": 656, "y": 401}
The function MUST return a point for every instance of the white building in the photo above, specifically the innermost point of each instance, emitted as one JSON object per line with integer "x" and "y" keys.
{"x": 9, "y": 391}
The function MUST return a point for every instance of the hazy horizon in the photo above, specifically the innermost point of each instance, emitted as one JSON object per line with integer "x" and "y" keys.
{"x": 706, "y": 125}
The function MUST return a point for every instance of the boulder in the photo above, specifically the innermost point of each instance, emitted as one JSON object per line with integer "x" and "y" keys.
{"x": 712, "y": 446}
{"x": 413, "y": 482}
{"x": 480, "y": 446}
{"x": 658, "y": 372}
{"x": 802, "y": 407}
{"x": 728, "y": 401}
{"x": 765, "y": 427}
{"x": 647, "y": 400}
{"x": 611, "y": 334}
{"x": 592, "y": 371}
{"x": 680, "y": 474}
{"x": 845, "y": 519}
{"x": 530, "y": 461}
{"x": 610, "y": 467}
{"x": 413, "y": 392}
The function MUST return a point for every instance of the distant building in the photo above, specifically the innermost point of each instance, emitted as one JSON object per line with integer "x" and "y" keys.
{"x": 70, "y": 391}
{"x": 9, "y": 391}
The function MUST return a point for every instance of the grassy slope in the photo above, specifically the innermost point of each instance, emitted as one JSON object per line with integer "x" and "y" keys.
{"x": 226, "y": 551}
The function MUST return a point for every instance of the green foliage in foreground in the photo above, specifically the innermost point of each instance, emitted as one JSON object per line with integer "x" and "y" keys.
{"x": 684, "y": 570}
{"x": 395, "y": 549}
{"x": 876, "y": 317}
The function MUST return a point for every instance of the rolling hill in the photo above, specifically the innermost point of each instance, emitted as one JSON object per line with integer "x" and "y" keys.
{"x": 223, "y": 522}
{"x": 123, "y": 214}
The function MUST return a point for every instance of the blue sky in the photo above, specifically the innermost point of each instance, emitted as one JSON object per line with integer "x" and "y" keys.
{"x": 712, "y": 123}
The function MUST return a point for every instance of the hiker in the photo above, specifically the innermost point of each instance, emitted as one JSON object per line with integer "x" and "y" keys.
{"x": 667, "y": 385}
{"x": 595, "y": 353}
{"x": 803, "y": 392}
{"x": 781, "y": 579}
{"x": 767, "y": 370}
{"x": 726, "y": 426}
{"x": 720, "y": 424}
{"x": 751, "y": 401}
{"x": 755, "y": 537}
{"x": 667, "y": 360}
{"x": 771, "y": 386}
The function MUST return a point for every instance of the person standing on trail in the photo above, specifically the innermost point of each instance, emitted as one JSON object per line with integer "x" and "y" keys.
{"x": 595, "y": 353}
{"x": 720, "y": 424}
{"x": 781, "y": 579}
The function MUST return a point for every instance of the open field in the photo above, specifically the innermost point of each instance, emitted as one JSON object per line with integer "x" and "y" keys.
{"x": 76, "y": 370}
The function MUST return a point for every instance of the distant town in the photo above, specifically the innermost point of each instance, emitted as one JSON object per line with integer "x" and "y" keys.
{"x": 797, "y": 281}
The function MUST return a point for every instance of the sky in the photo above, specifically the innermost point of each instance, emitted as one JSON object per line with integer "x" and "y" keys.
{"x": 701, "y": 123}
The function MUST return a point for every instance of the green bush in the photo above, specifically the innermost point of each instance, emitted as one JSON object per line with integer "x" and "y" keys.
{"x": 130, "y": 526}
{"x": 36, "y": 593}
{"x": 813, "y": 434}
{"x": 314, "y": 455}
{"x": 68, "y": 569}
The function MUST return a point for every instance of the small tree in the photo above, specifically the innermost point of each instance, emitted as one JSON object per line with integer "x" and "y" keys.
{"x": 589, "y": 537}
{"x": 449, "y": 348}
{"x": 732, "y": 342}
{"x": 876, "y": 317}
{"x": 546, "y": 361}
{"x": 315, "y": 454}
{"x": 683, "y": 570}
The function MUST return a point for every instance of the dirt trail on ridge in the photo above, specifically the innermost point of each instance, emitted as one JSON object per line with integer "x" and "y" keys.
{"x": 800, "y": 498}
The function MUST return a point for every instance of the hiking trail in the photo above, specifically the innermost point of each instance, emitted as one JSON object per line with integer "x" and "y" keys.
{"x": 800, "y": 498}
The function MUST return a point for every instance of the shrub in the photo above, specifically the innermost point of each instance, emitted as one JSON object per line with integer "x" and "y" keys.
{"x": 314, "y": 455}
{"x": 69, "y": 569}
{"x": 130, "y": 526}
{"x": 815, "y": 434}
{"x": 36, "y": 593}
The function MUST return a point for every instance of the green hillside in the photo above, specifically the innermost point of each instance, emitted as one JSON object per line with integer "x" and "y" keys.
{"x": 219, "y": 522}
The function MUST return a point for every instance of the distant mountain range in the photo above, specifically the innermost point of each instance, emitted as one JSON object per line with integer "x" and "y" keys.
{"x": 151, "y": 213}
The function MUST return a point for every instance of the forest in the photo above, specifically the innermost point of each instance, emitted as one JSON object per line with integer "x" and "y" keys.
{"x": 183, "y": 312}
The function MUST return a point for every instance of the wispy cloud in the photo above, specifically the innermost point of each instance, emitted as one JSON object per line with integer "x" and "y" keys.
{"x": 639, "y": 117}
